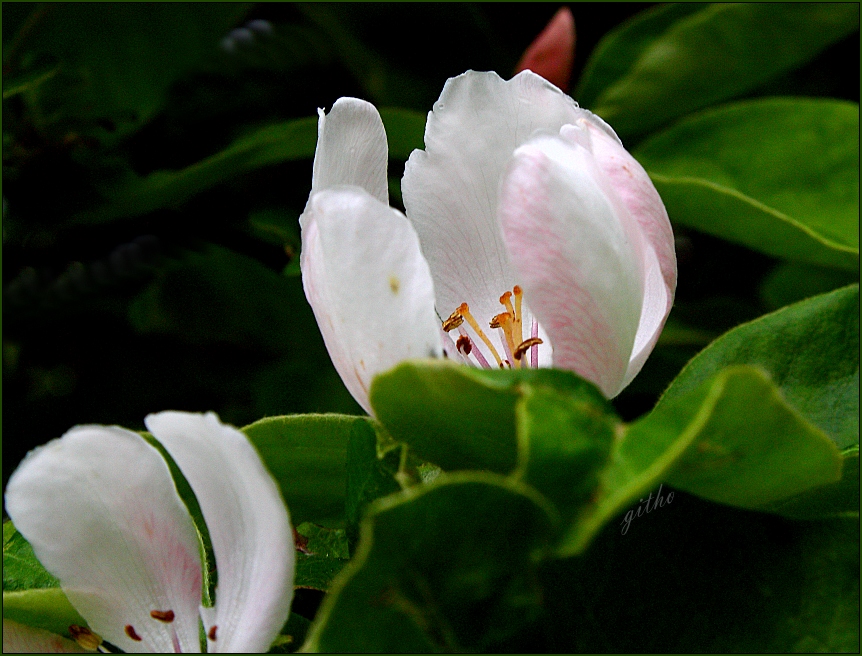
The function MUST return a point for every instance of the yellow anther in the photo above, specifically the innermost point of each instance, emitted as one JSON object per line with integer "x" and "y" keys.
{"x": 501, "y": 320}
{"x": 464, "y": 311}
{"x": 505, "y": 322}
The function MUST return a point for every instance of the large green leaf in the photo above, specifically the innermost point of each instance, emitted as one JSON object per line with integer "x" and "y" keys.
{"x": 118, "y": 60}
{"x": 307, "y": 455}
{"x": 441, "y": 567}
{"x": 810, "y": 350}
{"x": 461, "y": 417}
{"x": 619, "y": 50}
{"x": 733, "y": 439}
{"x": 839, "y": 499}
{"x": 716, "y": 53}
{"x": 734, "y": 173}
{"x": 564, "y": 439}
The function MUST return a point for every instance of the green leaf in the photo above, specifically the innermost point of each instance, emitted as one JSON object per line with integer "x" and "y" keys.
{"x": 734, "y": 173}
{"x": 564, "y": 440}
{"x": 219, "y": 296}
{"x": 621, "y": 48}
{"x": 732, "y": 440}
{"x": 405, "y": 130}
{"x": 839, "y": 499}
{"x": 750, "y": 448}
{"x": 810, "y": 350}
{"x": 370, "y": 475}
{"x": 716, "y": 53}
{"x": 323, "y": 554}
{"x": 307, "y": 455}
{"x": 119, "y": 60}
{"x": 698, "y": 577}
{"x": 21, "y": 569}
{"x": 441, "y": 567}
{"x": 265, "y": 146}
{"x": 790, "y": 282}
{"x": 448, "y": 415}
{"x": 460, "y": 417}
{"x": 45, "y": 608}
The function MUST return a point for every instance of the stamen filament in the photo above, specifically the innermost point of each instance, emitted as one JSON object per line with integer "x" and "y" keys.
{"x": 518, "y": 317}
{"x": 476, "y": 353}
{"x": 464, "y": 311}
{"x": 534, "y": 349}
{"x": 504, "y": 322}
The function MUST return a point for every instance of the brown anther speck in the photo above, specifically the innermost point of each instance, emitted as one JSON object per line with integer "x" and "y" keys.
{"x": 130, "y": 631}
{"x": 166, "y": 616}
{"x": 211, "y": 634}
{"x": 464, "y": 345}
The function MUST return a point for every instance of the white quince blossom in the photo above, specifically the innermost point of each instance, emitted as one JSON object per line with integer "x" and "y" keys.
{"x": 531, "y": 238}
{"x": 103, "y": 515}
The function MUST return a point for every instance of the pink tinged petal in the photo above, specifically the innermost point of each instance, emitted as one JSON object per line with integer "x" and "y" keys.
{"x": 640, "y": 198}
{"x": 451, "y": 189}
{"x": 22, "y": 639}
{"x": 578, "y": 255}
{"x": 248, "y": 525}
{"x": 369, "y": 286}
{"x": 351, "y": 149}
{"x": 100, "y": 508}
{"x": 552, "y": 54}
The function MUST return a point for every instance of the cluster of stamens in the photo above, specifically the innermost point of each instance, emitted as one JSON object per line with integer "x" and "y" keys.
{"x": 510, "y": 325}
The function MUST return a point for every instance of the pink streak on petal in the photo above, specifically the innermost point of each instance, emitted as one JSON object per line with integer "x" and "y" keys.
{"x": 639, "y": 197}
{"x": 583, "y": 339}
{"x": 552, "y": 53}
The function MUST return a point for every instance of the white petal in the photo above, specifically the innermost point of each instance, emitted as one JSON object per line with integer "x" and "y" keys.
{"x": 22, "y": 639}
{"x": 248, "y": 525}
{"x": 635, "y": 190}
{"x": 100, "y": 508}
{"x": 369, "y": 286}
{"x": 579, "y": 256}
{"x": 351, "y": 149}
{"x": 451, "y": 188}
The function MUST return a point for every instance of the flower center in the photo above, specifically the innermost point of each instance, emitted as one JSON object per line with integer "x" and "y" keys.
{"x": 510, "y": 325}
